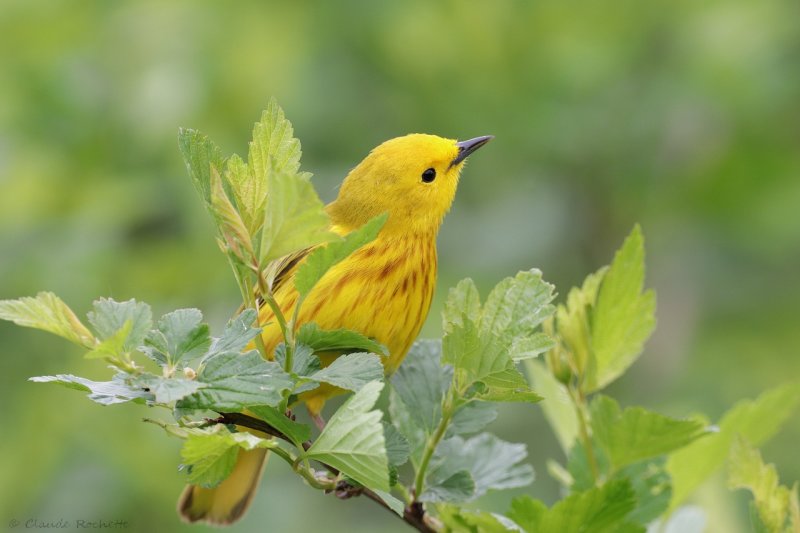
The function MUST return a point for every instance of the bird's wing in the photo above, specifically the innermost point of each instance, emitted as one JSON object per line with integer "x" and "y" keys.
{"x": 277, "y": 273}
{"x": 279, "y": 270}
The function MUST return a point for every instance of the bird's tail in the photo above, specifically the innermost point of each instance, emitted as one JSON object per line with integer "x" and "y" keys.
{"x": 228, "y": 501}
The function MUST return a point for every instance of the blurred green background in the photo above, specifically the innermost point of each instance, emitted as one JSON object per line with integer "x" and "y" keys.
{"x": 684, "y": 116}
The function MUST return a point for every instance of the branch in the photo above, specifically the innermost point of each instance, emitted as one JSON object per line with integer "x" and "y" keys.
{"x": 414, "y": 514}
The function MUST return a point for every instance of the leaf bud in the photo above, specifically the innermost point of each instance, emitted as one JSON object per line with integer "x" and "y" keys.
{"x": 558, "y": 365}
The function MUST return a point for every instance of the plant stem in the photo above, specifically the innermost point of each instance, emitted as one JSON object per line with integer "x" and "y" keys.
{"x": 288, "y": 364}
{"x": 306, "y": 472}
{"x": 269, "y": 298}
{"x": 250, "y": 299}
{"x": 404, "y": 492}
{"x": 579, "y": 402}
{"x": 433, "y": 442}
{"x": 246, "y": 289}
{"x": 288, "y": 334}
{"x": 296, "y": 314}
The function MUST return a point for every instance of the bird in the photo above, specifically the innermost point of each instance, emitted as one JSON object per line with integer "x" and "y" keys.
{"x": 383, "y": 290}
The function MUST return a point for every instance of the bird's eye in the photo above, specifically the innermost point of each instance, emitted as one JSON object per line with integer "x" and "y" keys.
{"x": 429, "y": 175}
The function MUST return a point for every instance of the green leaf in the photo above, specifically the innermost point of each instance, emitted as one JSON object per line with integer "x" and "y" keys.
{"x": 462, "y": 300}
{"x": 516, "y": 306}
{"x": 579, "y": 469}
{"x": 557, "y": 406}
{"x": 236, "y": 380}
{"x": 167, "y": 390}
{"x": 351, "y": 371}
{"x": 747, "y": 470}
{"x": 480, "y": 344}
{"x": 102, "y": 392}
{"x": 274, "y": 146}
{"x": 323, "y": 258}
{"x": 482, "y": 359}
{"x": 408, "y": 426}
{"x": 273, "y": 141}
{"x": 652, "y": 486}
{"x": 602, "y": 509}
{"x": 459, "y": 487}
{"x": 211, "y": 454}
{"x": 459, "y": 520}
{"x": 493, "y": 463}
{"x": 353, "y": 440}
{"x": 237, "y": 335}
{"x": 523, "y": 348}
{"x": 473, "y": 356}
{"x": 295, "y": 218}
{"x": 200, "y": 155}
{"x": 420, "y": 383}
{"x": 530, "y": 514}
{"x": 108, "y": 317}
{"x": 394, "y": 504}
{"x": 507, "y": 386}
{"x": 636, "y": 434}
{"x": 471, "y": 418}
{"x": 574, "y": 323}
{"x": 210, "y": 457}
{"x": 649, "y": 480}
{"x": 113, "y": 346}
{"x": 294, "y": 430}
{"x": 235, "y": 238}
{"x": 180, "y": 336}
{"x": 757, "y": 421}
{"x": 304, "y": 362}
{"x": 397, "y": 447}
{"x": 336, "y": 339}
{"x": 49, "y": 313}
{"x": 249, "y": 194}
{"x": 623, "y": 317}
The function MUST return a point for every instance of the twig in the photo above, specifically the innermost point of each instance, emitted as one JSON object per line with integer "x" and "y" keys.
{"x": 413, "y": 514}
{"x": 579, "y": 403}
{"x": 433, "y": 442}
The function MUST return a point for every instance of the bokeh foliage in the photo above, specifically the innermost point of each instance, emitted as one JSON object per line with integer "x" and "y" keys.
{"x": 682, "y": 116}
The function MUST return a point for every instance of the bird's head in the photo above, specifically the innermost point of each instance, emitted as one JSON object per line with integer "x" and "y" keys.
{"x": 413, "y": 178}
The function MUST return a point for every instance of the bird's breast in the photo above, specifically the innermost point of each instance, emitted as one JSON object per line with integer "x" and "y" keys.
{"x": 383, "y": 290}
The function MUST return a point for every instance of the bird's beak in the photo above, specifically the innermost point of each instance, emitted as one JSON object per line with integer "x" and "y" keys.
{"x": 465, "y": 148}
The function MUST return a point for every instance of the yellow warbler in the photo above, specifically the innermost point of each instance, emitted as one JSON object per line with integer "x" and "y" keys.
{"x": 383, "y": 290}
